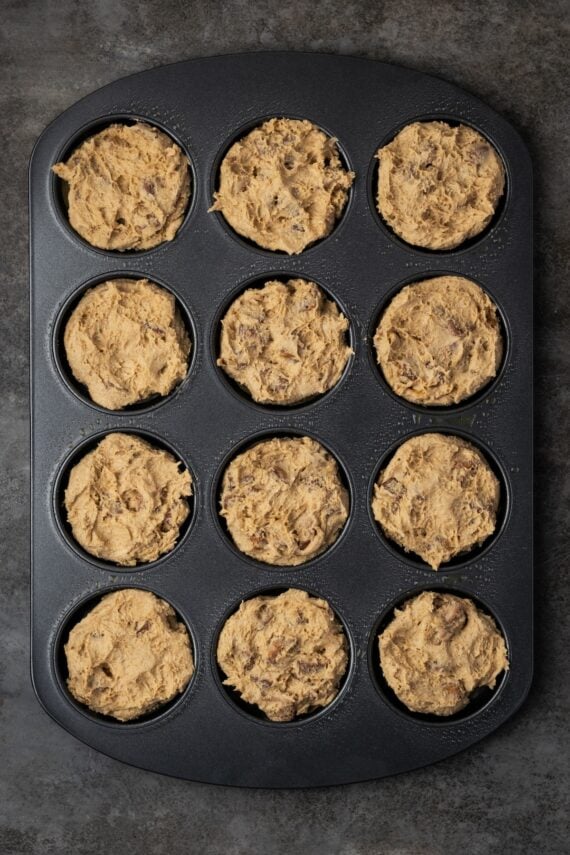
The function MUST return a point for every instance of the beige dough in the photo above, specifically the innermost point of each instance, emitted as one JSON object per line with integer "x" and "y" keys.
{"x": 438, "y": 186}
{"x": 439, "y": 341}
{"x": 438, "y": 650}
{"x": 126, "y": 500}
{"x": 283, "y": 185}
{"x": 127, "y": 187}
{"x": 283, "y": 500}
{"x": 285, "y": 342}
{"x": 126, "y": 342}
{"x": 129, "y": 655}
{"x": 437, "y": 497}
{"x": 286, "y": 654}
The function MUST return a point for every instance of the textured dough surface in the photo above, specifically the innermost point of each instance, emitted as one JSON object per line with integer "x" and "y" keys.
{"x": 127, "y": 187}
{"x": 284, "y": 342}
{"x": 126, "y": 341}
{"x": 126, "y": 500}
{"x": 286, "y": 654}
{"x": 439, "y": 341}
{"x": 438, "y": 650}
{"x": 438, "y": 186}
{"x": 129, "y": 655}
{"x": 283, "y": 185}
{"x": 283, "y": 500}
{"x": 437, "y": 497}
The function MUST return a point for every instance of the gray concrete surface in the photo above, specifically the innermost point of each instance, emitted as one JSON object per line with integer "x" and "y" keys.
{"x": 507, "y": 794}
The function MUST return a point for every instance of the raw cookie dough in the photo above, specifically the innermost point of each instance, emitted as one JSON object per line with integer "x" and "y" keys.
{"x": 438, "y": 186}
{"x": 437, "y": 497}
{"x": 126, "y": 341}
{"x": 283, "y": 500}
{"x": 283, "y": 185}
{"x": 284, "y": 342}
{"x": 439, "y": 341}
{"x": 126, "y": 500}
{"x": 128, "y": 655}
{"x": 286, "y": 654}
{"x": 127, "y": 187}
{"x": 438, "y": 650}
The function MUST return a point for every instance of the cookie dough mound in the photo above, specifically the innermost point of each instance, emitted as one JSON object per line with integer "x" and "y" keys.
{"x": 438, "y": 650}
{"x": 126, "y": 500}
{"x": 127, "y": 187}
{"x": 126, "y": 341}
{"x": 438, "y": 186}
{"x": 286, "y": 654}
{"x": 283, "y": 500}
{"x": 128, "y": 656}
{"x": 284, "y": 342}
{"x": 437, "y": 497}
{"x": 439, "y": 341}
{"x": 283, "y": 185}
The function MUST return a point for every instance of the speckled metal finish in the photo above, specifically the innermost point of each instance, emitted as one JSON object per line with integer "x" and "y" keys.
{"x": 206, "y": 736}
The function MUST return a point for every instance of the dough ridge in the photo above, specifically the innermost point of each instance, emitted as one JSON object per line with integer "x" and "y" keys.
{"x": 437, "y": 497}
{"x": 285, "y": 342}
{"x": 438, "y": 185}
{"x": 129, "y": 655}
{"x": 286, "y": 654}
{"x": 438, "y": 649}
{"x": 126, "y": 500}
{"x": 283, "y": 185}
{"x": 127, "y": 187}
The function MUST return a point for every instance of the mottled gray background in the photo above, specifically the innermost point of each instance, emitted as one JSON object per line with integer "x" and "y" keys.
{"x": 506, "y": 794}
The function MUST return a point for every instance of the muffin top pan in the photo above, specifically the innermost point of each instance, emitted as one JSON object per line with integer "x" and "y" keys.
{"x": 207, "y": 733}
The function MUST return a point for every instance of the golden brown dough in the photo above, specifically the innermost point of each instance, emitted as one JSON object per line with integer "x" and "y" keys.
{"x": 126, "y": 341}
{"x": 438, "y": 650}
{"x": 129, "y": 655}
{"x": 126, "y": 500}
{"x": 439, "y": 185}
{"x": 283, "y": 185}
{"x": 437, "y": 497}
{"x": 286, "y": 654}
{"x": 439, "y": 341}
{"x": 127, "y": 187}
{"x": 284, "y": 342}
{"x": 283, "y": 500}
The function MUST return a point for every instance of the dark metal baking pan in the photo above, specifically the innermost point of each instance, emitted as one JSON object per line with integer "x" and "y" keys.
{"x": 206, "y": 735}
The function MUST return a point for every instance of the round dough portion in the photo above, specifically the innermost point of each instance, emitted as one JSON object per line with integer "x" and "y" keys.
{"x": 437, "y": 497}
{"x": 126, "y": 500}
{"x": 126, "y": 341}
{"x": 129, "y": 655}
{"x": 438, "y": 185}
{"x": 283, "y": 185}
{"x": 283, "y": 500}
{"x": 439, "y": 341}
{"x": 286, "y": 654}
{"x": 438, "y": 650}
{"x": 284, "y": 342}
{"x": 128, "y": 187}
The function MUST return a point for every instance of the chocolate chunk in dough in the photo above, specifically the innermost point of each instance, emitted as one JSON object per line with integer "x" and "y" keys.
{"x": 284, "y": 342}
{"x": 283, "y": 185}
{"x": 438, "y": 650}
{"x": 437, "y": 497}
{"x": 283, "y": 500}
{"x": 126, "y": 500}
{"x": 286, "y": 654}
{"x": 126, "y": 341}
{"x": 438, "y": 185}
{"x": 439, "y": 341}
{"x": 129, "y": 655}
{"x": 128, "y": 187}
